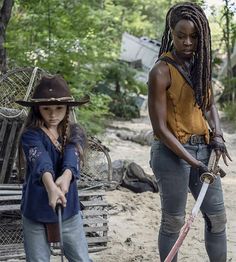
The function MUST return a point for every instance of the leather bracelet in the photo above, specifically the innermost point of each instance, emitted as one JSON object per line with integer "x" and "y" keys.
{"x": 218, "y": 135}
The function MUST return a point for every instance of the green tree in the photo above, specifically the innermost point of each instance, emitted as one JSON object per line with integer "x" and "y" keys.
{"x": 229, "y": 39}
{"x": 80, "y": 38}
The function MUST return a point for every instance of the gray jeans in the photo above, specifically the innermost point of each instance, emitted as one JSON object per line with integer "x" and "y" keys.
{"x": 175, "y": 177}
{"x": 74, "y": 241}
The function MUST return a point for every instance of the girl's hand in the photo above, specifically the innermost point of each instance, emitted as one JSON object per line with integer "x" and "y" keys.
{"x": 55, "y": 194}
{"x": 63, "y": 181}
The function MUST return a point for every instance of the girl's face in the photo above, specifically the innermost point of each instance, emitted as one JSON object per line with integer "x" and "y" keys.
{"x": 185, "y": 38}
{"x": 52, "y": 114}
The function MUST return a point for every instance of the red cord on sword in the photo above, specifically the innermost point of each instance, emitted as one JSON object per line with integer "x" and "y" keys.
{"x": 207, "y": 179}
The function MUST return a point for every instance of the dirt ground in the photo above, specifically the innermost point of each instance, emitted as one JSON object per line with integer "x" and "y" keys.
{"x": 134, "y": 218}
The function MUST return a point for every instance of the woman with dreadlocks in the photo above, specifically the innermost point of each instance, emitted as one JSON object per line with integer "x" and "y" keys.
{"x": 53, "y": 148}
{"x": 182, "y": 109}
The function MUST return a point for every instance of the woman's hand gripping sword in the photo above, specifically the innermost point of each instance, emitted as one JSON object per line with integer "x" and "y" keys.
{"x": 206, "y": 178}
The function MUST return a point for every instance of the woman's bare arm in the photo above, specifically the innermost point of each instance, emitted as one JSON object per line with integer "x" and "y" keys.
{"x": 159, "y": 81}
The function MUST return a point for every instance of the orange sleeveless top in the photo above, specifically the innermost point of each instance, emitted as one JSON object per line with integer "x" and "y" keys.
{"x": 184, "y": 117}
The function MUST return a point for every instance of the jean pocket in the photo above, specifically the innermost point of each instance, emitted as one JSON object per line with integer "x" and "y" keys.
{"x": 154, "y": 152}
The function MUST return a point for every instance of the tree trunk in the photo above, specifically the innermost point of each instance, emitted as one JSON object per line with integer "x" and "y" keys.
{"x": 5, "y": 15}
{"x": 117, "y": 85}
{"x": 228, "y": 49}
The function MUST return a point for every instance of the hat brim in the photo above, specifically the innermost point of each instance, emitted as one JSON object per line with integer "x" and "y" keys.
{"x": 31, "y": 103}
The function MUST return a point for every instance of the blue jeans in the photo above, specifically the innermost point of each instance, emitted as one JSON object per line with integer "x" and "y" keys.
{"x": 175, "y": 177}
{"x": 37, "y": 248}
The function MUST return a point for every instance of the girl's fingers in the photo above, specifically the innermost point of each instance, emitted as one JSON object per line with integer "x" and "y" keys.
{"x": 61, "y": 200}
{"x": 58, "y": 198}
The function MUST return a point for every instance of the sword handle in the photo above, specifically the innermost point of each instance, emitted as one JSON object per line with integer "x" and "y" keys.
{"x": 214, "y": 169}
{"x": 59, "y": 209}
{"x": 222, "y": 172}
{"x": 207, "y": 177}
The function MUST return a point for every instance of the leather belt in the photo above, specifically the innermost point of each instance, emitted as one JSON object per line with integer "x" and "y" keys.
{"x": 196, "y": 139}
{"x": 193, "y": 139}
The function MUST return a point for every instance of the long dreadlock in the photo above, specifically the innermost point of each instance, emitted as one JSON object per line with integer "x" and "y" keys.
{"x": 201, "y": 74}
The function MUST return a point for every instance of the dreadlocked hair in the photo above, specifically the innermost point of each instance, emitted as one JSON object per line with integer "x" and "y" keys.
{"x": 201, "y": 73}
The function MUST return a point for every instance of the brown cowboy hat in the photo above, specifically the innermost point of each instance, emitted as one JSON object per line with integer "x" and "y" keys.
{"x": 52, "y": 90}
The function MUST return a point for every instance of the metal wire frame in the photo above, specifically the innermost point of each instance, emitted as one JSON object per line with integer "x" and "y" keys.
{"x": 18, "y": 84}
{"x": 97, "y": 169}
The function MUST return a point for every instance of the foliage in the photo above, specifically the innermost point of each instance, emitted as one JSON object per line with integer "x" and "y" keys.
{"x": 120, "y": 76}
{"x": 229, "y": 85}
{"x": 124, "y": 107}
{"x": 81, "y": 40}
{"x": 73, "y": 38}
{"x": 230, "y": 111}
{"x": 121, "y": 85}
{"x": 224, "y": 37}
{"x": 94, "y": 117}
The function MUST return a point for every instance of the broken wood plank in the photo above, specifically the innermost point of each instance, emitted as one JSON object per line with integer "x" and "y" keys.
{"x": 93, "y": 240}
{"x": 10, "y": 186}
{"x": 10, "y": 198}
{"x": 95, "y": 229}
{"x": 93, "y": 203}
{"x": 92, "y": 212}
{"x": 10, "y": 192}
{"x": 3, "y": 129}
{"x": 9, "y": 208}
{"x": 8, "y": 152}
{"x": 95, "y": 220}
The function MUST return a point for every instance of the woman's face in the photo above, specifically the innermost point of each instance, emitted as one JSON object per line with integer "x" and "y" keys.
{"x": 52, "y": 114}
{"x": 185, "y": 38}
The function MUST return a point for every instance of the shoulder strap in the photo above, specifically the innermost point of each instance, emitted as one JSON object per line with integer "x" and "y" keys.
{"x": 55, "y": 142}
{"x": 178, "y": 67}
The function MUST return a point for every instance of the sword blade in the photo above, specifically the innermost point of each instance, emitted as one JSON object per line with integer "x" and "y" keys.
{"x": 185, "y": 229}
{"x": 200, "y": 198}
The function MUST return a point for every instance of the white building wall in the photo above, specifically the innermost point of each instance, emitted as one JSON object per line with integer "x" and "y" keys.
{"x": 133, "y": 49}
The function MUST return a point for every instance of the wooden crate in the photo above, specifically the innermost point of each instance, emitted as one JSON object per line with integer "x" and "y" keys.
{"x": 11, "y": 239}
{"x": 9, "y": 136}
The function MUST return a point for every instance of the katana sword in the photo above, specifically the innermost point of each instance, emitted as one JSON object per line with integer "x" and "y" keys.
{"x": 207, "y": 179}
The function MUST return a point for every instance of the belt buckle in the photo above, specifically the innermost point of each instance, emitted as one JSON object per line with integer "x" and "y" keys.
{"x": 193, "y": 140}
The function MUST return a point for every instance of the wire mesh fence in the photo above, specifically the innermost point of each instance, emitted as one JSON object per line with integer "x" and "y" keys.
{"x": 18, "y": 84}
{"x": 11, "y": 233}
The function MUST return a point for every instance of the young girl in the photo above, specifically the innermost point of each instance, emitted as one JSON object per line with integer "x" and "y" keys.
{"x": 53, "y": 148}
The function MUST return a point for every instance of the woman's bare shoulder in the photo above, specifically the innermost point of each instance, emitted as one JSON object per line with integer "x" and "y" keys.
{"x": 160, "y": 73}
{"x": 159, "y": 68}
